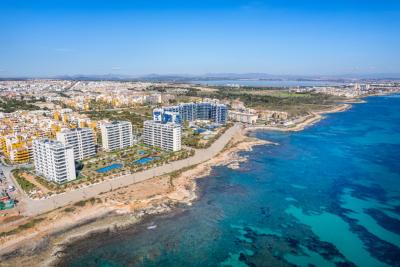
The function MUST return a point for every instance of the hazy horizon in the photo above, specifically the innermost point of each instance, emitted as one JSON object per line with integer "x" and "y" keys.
{"x": 212, "y": 76}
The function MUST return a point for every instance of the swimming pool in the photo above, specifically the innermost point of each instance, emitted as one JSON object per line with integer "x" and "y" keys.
{"x": 109, "y": 168}
{"x": 146, "y": 160}
{"x": 200, "y": 130}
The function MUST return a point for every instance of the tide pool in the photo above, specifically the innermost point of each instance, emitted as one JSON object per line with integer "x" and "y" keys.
{"x": 328, "y": 196}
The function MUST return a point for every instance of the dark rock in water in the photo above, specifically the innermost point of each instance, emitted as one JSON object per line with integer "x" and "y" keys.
{"x": 374, "y": 192}
{"x": 397, "y": 209}
{"x": 266, "y": 211}
{"x": 242, "y": 257}
{"x": 293, "y": 243}
{"x": 380, "y": 249}
{"x": 385, "y": 221}
{"x": 325, "y": 249}
{"x": 262, "y": 210}
{"x": 345, "y": 264}
{"x": 251, "y": 236}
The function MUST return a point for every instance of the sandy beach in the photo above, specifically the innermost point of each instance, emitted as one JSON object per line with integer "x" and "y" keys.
{"x": 122, "y": 207}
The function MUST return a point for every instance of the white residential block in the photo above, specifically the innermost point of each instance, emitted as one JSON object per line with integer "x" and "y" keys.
{"x": 167, "y": 136}
{"x": 54, "y": 160}
{"x": 116, "y": 135}
{"x": 81, "y": 139}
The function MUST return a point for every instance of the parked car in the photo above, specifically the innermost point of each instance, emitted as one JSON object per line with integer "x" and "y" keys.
{"x": 11, "y": 188}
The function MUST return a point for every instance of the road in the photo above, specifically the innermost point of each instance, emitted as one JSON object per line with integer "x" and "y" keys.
{"x": 35, "y": 207}
{"x": 7, "y": 181}
{"x": 17, "y": 194}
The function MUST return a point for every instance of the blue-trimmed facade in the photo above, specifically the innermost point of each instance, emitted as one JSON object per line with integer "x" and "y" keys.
{"x": 215, "y": 112}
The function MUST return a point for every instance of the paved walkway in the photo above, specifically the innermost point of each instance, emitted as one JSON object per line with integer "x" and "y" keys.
{"x": 35, "y": 207}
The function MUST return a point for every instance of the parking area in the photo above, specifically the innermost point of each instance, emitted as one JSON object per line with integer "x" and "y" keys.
{"x": 8, "y": 191}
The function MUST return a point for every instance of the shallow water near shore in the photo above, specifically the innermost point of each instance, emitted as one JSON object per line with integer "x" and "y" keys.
{"x": 326, "y": 196}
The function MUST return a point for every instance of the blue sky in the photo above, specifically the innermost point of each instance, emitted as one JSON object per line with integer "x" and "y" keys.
{"x": 305, "y": 37}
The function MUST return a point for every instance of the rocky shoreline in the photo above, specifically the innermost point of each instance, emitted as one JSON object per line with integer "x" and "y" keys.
{"x": 46, "y": 247}
{"x": 121, "y": 209}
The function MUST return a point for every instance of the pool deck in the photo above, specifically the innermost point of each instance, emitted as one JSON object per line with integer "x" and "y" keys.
{"x": 36, "y": 207}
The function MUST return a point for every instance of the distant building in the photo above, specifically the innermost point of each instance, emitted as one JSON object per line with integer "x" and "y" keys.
{"x": 54, "y": 160}
{"x": 166, "y": 136}
{"x": 243, "y": 116}
{"x": 153, "y": 99}
{"x": 167, "y": 97}
{"x": 116, "y": 135}
{"x": 361, "y": 87}
{"x": 274, "y": 115}
{"x": 81, "y": 139}
{"x": 237, "y": 105}
{"x": 211, "y": 110}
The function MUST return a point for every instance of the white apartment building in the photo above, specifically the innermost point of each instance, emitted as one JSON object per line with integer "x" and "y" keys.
{"x": 81, "y": 139}
{"x": 54, "y": 161}
{"x": 167, "y": 136}
{"x": 243, "y": 116}
{"x": 116, "y": 135}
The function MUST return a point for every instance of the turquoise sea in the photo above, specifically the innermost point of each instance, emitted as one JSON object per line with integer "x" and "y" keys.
{"x": 326, "y": 196}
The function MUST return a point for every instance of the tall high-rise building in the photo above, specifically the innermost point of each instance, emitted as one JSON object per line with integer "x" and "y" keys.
{"x": 166, "y": 116}
{"x": 116, "y": 135}
{"x": 166, "y": 136}
{"x": 197, "y": 111}
{"x": 81, "y": 139}
{"x": 54, "y": 161}
{"x": 219, "y": 113}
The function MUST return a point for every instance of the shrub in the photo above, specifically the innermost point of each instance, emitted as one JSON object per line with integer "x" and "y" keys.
{"x": 22, "y": 227}
{"x": 25, "y": 184}
{"x": 69, "y": 209}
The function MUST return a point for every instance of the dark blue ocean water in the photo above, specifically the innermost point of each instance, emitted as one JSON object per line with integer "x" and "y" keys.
{"x": 326, "y": 196}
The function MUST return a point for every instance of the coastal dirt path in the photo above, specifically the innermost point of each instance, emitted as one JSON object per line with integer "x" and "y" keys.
{"x": 36, "y": 207}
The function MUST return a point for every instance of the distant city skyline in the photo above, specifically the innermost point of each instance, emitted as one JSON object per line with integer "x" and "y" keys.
{"x": 305, "y": 37}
